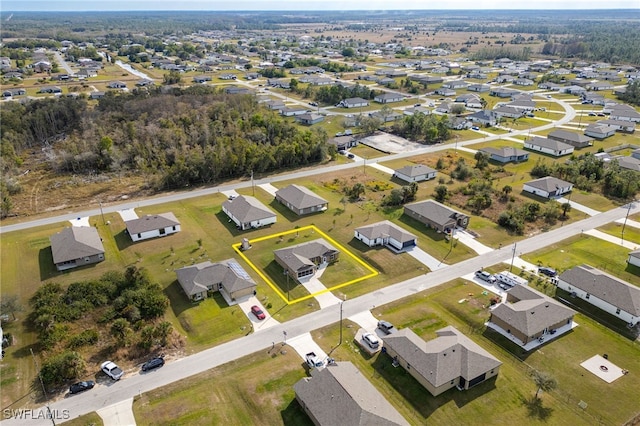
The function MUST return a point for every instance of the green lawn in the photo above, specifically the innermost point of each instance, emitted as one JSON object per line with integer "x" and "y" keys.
{"x": 257, "y": 389}
{"x": 585, "y": 249}
{"x": 91, "y": 419}
{"x": 631, "y": 234}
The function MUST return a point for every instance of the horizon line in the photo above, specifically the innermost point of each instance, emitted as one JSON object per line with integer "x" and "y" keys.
{"x": 329, "y": 10}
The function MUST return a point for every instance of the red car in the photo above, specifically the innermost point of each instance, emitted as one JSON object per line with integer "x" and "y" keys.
{"x": 255, "y": 310}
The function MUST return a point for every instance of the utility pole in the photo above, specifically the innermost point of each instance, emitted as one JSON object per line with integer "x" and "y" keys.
{"x": 102, "y": 214}
{"x": 513, "y": 256}
{"x": 625, "y": 220}
{"x": 343, "y": 300}
{"x": 253, "y": 188}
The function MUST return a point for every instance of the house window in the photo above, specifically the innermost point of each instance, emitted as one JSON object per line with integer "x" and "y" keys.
{"x": 174, "y": 228}
{"x": 163, "y": 231}
{"x": 452, "y": 382}
{"x": 618, "y": 311}
{"x": 588, "y": 295}
{"x": 139, "y": 235}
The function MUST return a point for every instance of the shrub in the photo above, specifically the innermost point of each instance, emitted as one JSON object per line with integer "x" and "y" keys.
{"x": 87, "y": 337}
{"x": 68, "y": 365}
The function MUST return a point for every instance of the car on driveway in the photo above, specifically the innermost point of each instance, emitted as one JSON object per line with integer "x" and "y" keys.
{"x": 485, "y": 276}
{"x": 371, "y": 340}
{"x": 156, "y": 362}
{"x": 386, "y": 327}
{"x": 81, "y": 387}
{"x": 475, "y": 128}
{"x": 255, "y": 310}
{"x": 112, "y": 370}
{"x": 550, "y": 272}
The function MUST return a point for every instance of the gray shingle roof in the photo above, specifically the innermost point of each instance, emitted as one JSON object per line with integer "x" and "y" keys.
{"x": 247, "y": 209}
{"x": 298, "y": 256}
{"x": 548, "y": 143}
{"x": 415, "y": 170}
{"x": 570, "y": 136}
{"x": 548, "y": 183}
{"x": 383, "y": 229}
{"x": 196, "y": 278}
{"x": 504, "y": 151}
{"x": 605, "y": 287}
{"x": 635, "y": 253}
{"x": 449, "y": 356}
{"x": 151, "y": 223}
{"x": 436, "y": 212}
{"x": 340, "y": 395}
{"x": 300, "y": 197}
{"x": 74, "y": 243}
{"x": 533, "y": 312}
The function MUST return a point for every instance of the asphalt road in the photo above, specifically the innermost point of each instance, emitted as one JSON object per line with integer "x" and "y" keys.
{"x": 133, "y": 384}
{"x": 110, "y": 208}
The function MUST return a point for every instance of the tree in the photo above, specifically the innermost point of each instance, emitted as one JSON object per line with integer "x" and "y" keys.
{"x": 348, "y": 52}
{"x": 356, "y": 191}
{"x": 506, "y": 190}
{"x": 60, "y": 368}
{"x": 121, "y": 331}
{"x": 10, "y": 304}
{"x": 566, "y": 208}
{"x": 442, "y": 193}
{"x": 544, "y": 382}
{"x": 482, "y": 160}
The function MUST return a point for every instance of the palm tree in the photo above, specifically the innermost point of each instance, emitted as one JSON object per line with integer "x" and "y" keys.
{"x": 544, "y": 382}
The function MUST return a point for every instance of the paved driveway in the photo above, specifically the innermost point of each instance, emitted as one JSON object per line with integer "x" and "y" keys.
{"x": 425, "y": 258}
{"x": 257, "y": 324}
{"x": 128, "y": 214}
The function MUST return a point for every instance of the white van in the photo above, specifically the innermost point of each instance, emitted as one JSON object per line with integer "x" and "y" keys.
{"x": 510, "y": 279}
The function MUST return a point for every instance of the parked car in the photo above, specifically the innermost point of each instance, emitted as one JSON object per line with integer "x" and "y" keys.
{"x": 475, "y": 128}
{"x": 371, "y": 340}
{"x": 315, "y": 104}
{"x": 550, "y": 272}
{"x": 348, "y": 132}
{"x": 339, "y": 134}
{"x": 255, "y": 310}
{"x": 81, "y": 387}
{"x": 153, "y": 363}
{"x": 350, "y": 155}
{"x": 485, "y": 276}
{"x": 112, "y": 370}
{"x": 386, "y": 327}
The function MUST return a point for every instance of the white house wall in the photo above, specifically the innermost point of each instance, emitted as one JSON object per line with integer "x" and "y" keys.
{"x": 535, "y": 191}
{"x": 154, "y": 234}
{"x": 634, "y": 261}
{"x": 605, "y": 306}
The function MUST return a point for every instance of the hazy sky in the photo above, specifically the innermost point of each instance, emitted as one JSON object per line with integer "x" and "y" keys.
{"x": 93, "y": 5}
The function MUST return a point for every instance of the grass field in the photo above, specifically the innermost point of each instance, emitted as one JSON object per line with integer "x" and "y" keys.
{"x": 631, "y": 234}
{"x": 258, "y": 388}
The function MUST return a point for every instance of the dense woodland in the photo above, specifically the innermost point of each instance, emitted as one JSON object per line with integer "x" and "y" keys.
{"x": 191, "y": 136}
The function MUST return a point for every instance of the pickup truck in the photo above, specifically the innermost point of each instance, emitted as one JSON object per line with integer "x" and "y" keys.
{"x": 112, "y": 370}
{"x": 313, "y": 360}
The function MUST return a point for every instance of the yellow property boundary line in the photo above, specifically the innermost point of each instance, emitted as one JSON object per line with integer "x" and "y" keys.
{"x": 338, "y": 246}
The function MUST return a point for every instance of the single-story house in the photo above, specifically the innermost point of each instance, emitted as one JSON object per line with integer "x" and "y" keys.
{"x": 415, "y": 173}
{"x": 96, "y": 95}
{"x": 76, "y": 246}
{"x": 523, "y": 105}
{"x": 13, "y": 92}
{"x": 620, "y": 126}
{"x": 353, "y": 103}
{"x": 387, "y": 97}
{"x": 275, "y": 104}
{"x": 508, "y": 112}
{"x": 629, "y": 163}
{"x": 385, "y": 233}
{"x": 548, "y": 187}
{"x": 152, "y": 226}
{"x": 117, "y": 85}
{"x": 455, "y": 84}
{"x": 443, "y": 91}
{"x": 599, "y": 85}
{"x": 343, "y": 142}
{"x": 416, "y": 110}
{"x": 574, "y": 139}
{"x": 226, "y": 276}
{"x": 634, "y": 258}
{"x": 530, "y": 315}
{"x": 604, "y": 291}
{"x": 303, "y": 260}
{"x": 436, "y": 215}
{"x": 340, "y": 395}
{"x": 450, "y": 360}
{"x": 484, "y": 117}
{"x": 523, "y": 82}
{"x": 506, "y": 154}
{"x": 548, "y": 146}
{"x": 301, "y": 200}
{"x": 309, "y": 118}
{"x": 599, "y": 131}
{"x": 293, "y": 111}
{"x": 247, "y": 212}
{"x": 625, "y": 113}
{"x": 479, "y": 88}
{"x": 501, "y": 92}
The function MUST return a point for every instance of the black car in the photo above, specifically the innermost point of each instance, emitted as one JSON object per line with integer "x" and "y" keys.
{"x": 81, "y": 386}
{"x": 153, "y": 363}
{"x": 550, "y": 272}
